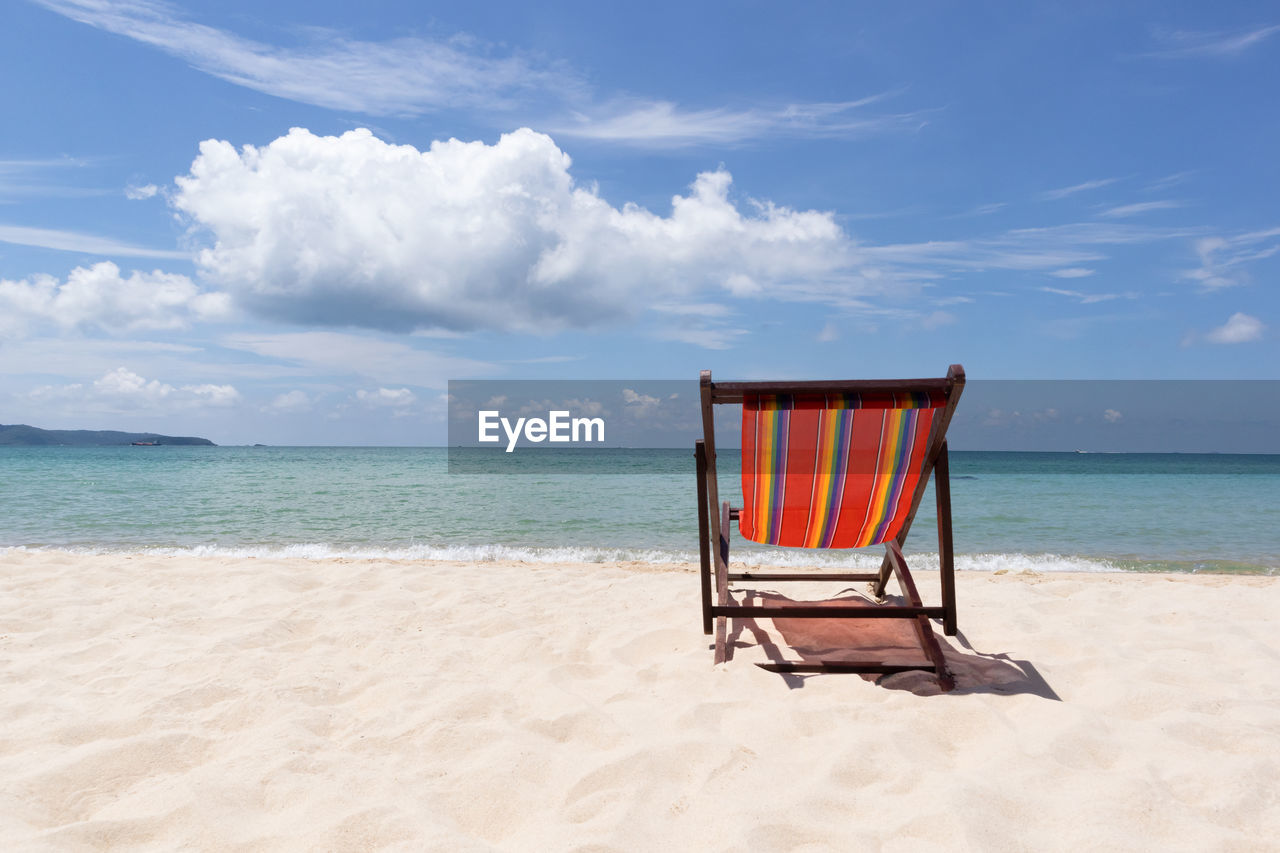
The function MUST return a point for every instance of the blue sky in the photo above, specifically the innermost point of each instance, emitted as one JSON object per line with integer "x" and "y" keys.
{"x": 294, "y": 222}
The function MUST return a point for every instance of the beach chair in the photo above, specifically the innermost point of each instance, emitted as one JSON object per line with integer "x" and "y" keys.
{"x": 830, "y": 465}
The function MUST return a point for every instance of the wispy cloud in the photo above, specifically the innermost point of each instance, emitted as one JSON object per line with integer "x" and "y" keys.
{"x": 1067, "y": 246}
{"x": 1072, "y": 272}
{"x": 340, "y": 354}
{"x": 1126, "y": 210}
{"x": 664, "y": 124}
{"x": 717, "y": 338}
{"x": 1063, "y": 192}
{"x": 1088, "y": 298}
{"x": 414, "y": 75}
{"x": 74, "y": 241}
{"x": 981, "y": 210}
{"x": 1222, "y": 258}
{"x": 36, "y": 177}
{"x": 1164, "y": 183}
{"x": 406, "y": 76}
{"x": 1189, "y": 44}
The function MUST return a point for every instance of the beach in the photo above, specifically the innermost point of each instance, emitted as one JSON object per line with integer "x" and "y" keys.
{"x": 159, "y": 702}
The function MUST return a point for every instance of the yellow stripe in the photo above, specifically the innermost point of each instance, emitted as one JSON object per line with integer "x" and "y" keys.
{"x": 824, "y": 481}
{"x": 889, "y": 446}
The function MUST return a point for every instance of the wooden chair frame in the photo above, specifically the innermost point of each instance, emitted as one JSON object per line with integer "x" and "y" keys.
{"x": 713, "y": 526}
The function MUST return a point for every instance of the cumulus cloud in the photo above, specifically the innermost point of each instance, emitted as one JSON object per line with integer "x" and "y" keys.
{"x": 1240, "y": 328}
{"x": 350, "y": 230}
{"x": 122, "y": 390}
{"x": 639, "y": 404}
{"x": 395, "y": 398}
{"x": 101, "y": 297}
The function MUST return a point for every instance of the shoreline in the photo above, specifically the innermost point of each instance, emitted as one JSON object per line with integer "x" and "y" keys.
{"x": 981, "y": 563}
{"x": 160, "y": 702}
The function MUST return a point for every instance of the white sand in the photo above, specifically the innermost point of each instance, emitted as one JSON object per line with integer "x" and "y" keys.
{"x": 160, "y": 703}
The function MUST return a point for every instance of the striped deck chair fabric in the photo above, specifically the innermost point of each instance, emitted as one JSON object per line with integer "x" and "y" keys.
{"x": 832, "y": 470}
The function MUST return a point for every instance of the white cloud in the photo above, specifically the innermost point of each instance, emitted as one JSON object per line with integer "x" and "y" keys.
{"x": 122, "y": 390}
{"x": 395, "y": 398}
{"x": 1222, "y": 259}
{"x": 291, "y": 401}
{"x": 1086, "y": 298}
{"x": 123, "y": 383}
{"x": 38, "y": 178}
{"x": 86, "y": 244}
{"x": 1187, "y": 44}
{"x": 405, "y": 76}
{"x": 413, "y": 75}
{"x": 987, "y": 209}
{"x": 352, "y": 231}
{"x": 1141, "y": 207}
{"x": 214, "y": 395}
{"x": 100, "y": 297}
{"x": 937, "y": 319}
{"x": 830, "y": 332}
{"x": 1240, "y": 328}
{"x": 1072, "y": 272}
{"x": 1063, "y": 192}
{"x": 1167, "y": 181}
{"x": 642, "y": 402}
{"x": 664, "y": 124}
{"x": 138, "y": 193}
{"x": 1112, "y": 416}
{"x": 1047, "y": 248}
{"x": 341, "y": 354}
{"x": 581, "y": 407}
{"x": 707, "y": 337}
{"x": 693, "y": 309}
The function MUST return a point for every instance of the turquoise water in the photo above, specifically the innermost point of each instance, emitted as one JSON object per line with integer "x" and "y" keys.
{"x": 1170, "y": 512}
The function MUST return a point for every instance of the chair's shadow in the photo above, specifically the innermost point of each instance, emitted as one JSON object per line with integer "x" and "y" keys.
{"x": 889, "y": 640}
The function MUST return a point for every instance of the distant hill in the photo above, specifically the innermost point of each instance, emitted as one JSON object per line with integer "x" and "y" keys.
{"x": 21, "y": 435}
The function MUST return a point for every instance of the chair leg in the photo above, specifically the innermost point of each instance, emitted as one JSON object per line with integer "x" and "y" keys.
{"x": 924, "y": 630}
{"x": 946, "y": 555}
{"x": 704, "y": 535}
{"x": 722, "y": 585}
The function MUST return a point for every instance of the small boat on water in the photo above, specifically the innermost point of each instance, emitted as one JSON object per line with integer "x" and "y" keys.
{"x": 145, "y": 443}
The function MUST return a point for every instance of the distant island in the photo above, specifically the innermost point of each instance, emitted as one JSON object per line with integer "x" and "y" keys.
{"x": 21, "y": 435}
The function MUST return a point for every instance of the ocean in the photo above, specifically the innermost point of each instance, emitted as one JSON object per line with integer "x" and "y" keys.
{"x": 1041, "y": 511}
